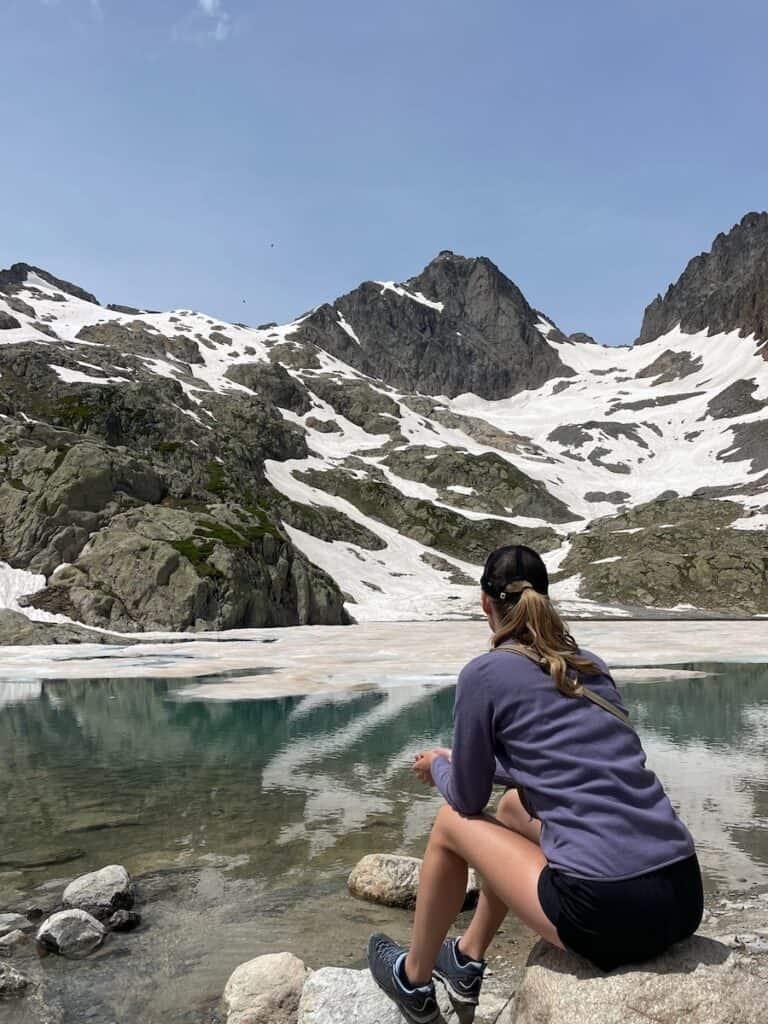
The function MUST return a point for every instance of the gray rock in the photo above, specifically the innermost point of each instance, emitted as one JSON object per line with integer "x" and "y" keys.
{"x": 170, "y": 568}
{"x": 123, "y": 921}
{"x": 699, "y": 980}
{"x": 433, "y": 526}
{"x": 323, "y": 426}
{"x": 19, "y": 306}
{"x": 484, "y": 339}
{"x": 14, "y": 922}
{"x": 575, "y": 435}
{"x": 272, "y": 381}
{"x": 671, "y": 366}
{"x": 18, "y": 630}
{"x": 498, "y": 487}
{"x": 266, "y": 990}
{"x": 71, "y": 933}
{"x": 393, "y": 880}
{"x": 17, "y": 275}
{"x": 735, "y": 400}
{"x": 8, "y": 322}
{"x": 101, "y": 893}
{"x": 614, "y": 497}
{"x": 725, "y": 289}
{"x": 678, "y": 551}
{"x": 12, "y": 982}
{"x": 11, "y": 942}
{"x": 336, "y": 995}
{"x": 455, "y": 575}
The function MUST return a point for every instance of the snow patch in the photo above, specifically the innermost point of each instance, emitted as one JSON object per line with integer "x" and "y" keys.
{"x": 77, "y": 377}
{"x": 17, "y": 583}
{"x": 347, "y": 329}
{"x": 390, "y": 286}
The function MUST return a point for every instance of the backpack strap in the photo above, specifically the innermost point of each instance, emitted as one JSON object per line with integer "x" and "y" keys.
{"x": 596, "y": 698}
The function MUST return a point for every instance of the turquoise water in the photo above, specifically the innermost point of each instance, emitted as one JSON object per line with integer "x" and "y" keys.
{"x": 242, "y": 819}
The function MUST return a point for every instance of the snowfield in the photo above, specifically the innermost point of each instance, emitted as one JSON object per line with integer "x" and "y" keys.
{"x": 608, "y": 429}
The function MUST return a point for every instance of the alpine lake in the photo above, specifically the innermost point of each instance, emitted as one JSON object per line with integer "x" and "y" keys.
{"x": 240, "y": 818}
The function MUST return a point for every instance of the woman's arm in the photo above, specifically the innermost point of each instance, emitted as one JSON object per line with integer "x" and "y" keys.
{"x": 467, "y": 779}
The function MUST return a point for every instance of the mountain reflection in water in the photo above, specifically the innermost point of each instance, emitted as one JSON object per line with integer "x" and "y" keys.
{"x": 299, "y": 787}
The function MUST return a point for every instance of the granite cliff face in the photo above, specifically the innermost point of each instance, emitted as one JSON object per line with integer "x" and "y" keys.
{"x": 725, "y": 289}
{"x": 170, "y": 471}
{"x": 459, "y": 326}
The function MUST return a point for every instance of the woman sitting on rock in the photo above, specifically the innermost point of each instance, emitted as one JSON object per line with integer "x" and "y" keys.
{"x": 586, "y": 849}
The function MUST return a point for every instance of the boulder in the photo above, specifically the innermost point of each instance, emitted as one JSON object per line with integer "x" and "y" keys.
{"x": 71, "y": 933}
{"x": 14, "y": 922}
{"x": 393, "y": 880}
{"x": 123, "y": 921}
{"x": 10, "y": 942}
{"x": 12, "y": 982}
{"x": 8, "y": 322}
{"x": 265, "y": 990}
{"x": 18, "y": 630}
{"x": 157, "y": 567}
{"x": 338, "y": 995}
{"x": 719, "y": 976}
{"x": 101, "y": 893}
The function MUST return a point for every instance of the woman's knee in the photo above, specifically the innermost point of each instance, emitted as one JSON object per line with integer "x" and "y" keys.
{"x": 446, "y": 827}
{"x": 444, "y": 819}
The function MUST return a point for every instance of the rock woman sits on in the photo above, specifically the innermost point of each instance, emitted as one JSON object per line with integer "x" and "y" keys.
{"x": 585, "y": 847}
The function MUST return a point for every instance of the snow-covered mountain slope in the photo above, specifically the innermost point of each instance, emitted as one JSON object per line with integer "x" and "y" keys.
{"x": 148, "y": 453}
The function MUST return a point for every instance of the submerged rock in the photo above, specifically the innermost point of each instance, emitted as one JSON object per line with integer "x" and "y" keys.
{"x": 14, "y": 922}
{"x": 101, "y": 893}
{"x": 393, "y": 880}
{"x": 71, "y": 933}
{"x": 123, "y": 921}
{"x": 265, "y": 990}
{"x": 12, "y": 982}
{"x": 10, "y": 942}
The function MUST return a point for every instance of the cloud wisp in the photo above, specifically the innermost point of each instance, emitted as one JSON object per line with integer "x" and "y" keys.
{"x": 219, "y": 16}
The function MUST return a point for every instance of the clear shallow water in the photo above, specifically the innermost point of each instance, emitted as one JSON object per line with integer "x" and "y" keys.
{"x": 242, "y": 819}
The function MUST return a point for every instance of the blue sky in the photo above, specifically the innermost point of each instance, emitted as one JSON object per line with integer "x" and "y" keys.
{"x": 198, "y": 153}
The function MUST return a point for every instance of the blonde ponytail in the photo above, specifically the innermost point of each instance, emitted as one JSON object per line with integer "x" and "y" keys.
{"x": 532, "y": 625}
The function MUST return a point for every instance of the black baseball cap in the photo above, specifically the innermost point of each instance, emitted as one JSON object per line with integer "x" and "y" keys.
{"x": 514, "y": 563}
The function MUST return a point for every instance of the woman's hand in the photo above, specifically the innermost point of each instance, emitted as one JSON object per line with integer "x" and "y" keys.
{"x": 422, "y": 763}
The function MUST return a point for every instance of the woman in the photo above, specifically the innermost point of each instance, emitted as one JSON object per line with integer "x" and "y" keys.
{"x": 587, "y": 850}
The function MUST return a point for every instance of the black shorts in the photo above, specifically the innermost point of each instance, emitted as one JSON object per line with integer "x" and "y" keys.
{"x": 615, "y": 923}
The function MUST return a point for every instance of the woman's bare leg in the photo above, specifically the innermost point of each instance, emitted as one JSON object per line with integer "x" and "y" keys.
{"x": 509, "y": 863}
{"x": 491, "y": 911}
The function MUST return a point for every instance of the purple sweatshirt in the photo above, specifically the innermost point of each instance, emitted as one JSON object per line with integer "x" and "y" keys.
{"x": 603, "y": 813}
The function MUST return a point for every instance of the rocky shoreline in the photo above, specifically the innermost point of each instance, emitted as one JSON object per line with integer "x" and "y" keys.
{"x": 719, "y": 976}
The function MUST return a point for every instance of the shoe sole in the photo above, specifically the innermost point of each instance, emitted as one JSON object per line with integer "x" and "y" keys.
{"x": 403, "y": 1010}
{"x": 459, "y": 997}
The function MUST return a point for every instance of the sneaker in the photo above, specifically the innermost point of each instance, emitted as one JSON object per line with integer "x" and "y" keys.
{"x": 462, "y": 977}
{"x": 386, "y": 960}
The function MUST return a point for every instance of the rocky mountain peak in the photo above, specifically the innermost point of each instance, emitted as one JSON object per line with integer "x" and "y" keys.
{"x": 725, "y": 289}
{"x": 459, "y": 326}
{"x": 16, "y": 276}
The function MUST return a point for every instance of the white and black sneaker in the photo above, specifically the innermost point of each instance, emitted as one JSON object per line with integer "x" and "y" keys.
{"x": 387, "y": 963}
{"x": 461, "y": 976}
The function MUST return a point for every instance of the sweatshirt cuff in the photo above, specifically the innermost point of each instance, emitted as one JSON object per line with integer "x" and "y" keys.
{"x": 441, "y": 773}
